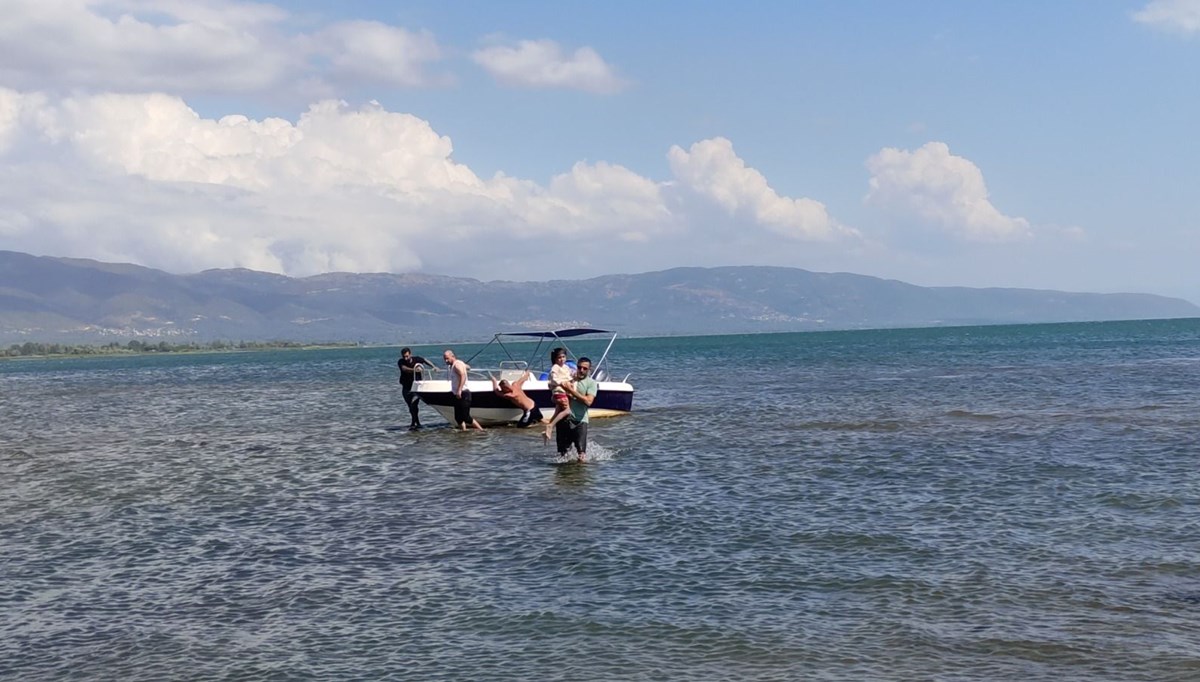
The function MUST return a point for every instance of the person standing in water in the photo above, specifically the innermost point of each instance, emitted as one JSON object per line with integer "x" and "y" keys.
{"x": 573, "y": 430}
{"x": 411, "y": 370}
{"x": 462, "y": 395}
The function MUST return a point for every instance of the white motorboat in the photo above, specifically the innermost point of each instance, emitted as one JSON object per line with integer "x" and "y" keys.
{"x": 614, "y": 396}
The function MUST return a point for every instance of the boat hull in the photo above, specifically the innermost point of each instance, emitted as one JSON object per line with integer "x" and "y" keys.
{"x": 613, "y": 398}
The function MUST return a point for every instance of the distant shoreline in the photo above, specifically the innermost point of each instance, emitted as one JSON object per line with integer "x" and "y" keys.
{"x": 89, "y": 351}
{"x": 118, "y": 350}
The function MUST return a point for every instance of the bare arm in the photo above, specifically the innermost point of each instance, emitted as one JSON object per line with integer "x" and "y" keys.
{"x": 585, "y": 399}
{"x": 520, "y": 382}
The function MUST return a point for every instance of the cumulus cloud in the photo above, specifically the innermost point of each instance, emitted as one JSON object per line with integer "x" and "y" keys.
{"x": 544, "y": 64}
{"x": 160, "y": 138}
{"x": 13, "y": 106}
{"x": 1181, "y": 16}
{"x": 378, "y": 53}
{"x": 137, "y": 46}
{"x": 338, "y": 189}
{"x": 943, "y": 190}
{"x": 201, "y": 46}
{"x": 189, "y": 47}
{"x": 143, "y": 178}
{"x": 230, "y": 13}
{"x": 712, "y": 169}
{"x": 611, "y": 199}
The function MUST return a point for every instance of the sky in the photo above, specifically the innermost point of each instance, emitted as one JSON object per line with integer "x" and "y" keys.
{"x": 994, "y": 143}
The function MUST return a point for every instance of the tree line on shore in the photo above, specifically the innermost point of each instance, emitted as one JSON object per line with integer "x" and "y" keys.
{"x": 35, "y": 349}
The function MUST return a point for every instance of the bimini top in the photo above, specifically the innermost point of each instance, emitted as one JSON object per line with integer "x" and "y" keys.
{"x": 551, "y": 336}
{"x": 562, "y": 333}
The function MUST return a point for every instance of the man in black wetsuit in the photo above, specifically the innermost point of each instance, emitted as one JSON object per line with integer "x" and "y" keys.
{"x": 410, "y": 370}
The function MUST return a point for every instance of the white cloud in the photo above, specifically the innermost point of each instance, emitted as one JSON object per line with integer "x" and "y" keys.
{"x": 603, "y": 196}
{"x": 543, "y": 64}
{"x": 12, "y": 108}
{"x": 712, "y": 169}
{"x": 201, "y": 46}
{"x": 377, "y": 53}
{"x": 189, "y": 47}
{"x": 227, "y": 13}
{"x": 1172, "y": 15}
{"x": 159, "y": 137}
{"x": 138, "y": 46}
{"x": 936, "y": 187}
{"x": 143, "y": 178}
{"x": 339, "y": 189}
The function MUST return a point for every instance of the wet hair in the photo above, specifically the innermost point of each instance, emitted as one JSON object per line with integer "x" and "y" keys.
{"x": 405, "y": 350}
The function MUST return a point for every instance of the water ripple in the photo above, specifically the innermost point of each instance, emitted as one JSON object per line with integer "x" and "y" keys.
{"x": 891, "y": 508}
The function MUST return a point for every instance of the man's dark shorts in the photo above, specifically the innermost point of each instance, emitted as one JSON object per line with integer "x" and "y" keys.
{"x": 462, "y": 409}
{"x": 568, "y": 432}
{"x": 531, "y": 417}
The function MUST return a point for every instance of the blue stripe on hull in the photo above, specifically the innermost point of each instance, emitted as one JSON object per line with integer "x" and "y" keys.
{"x": 617, "y": 401}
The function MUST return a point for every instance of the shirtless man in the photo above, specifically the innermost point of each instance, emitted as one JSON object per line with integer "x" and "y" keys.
{"x": 514, "y": 393}
{"x": 462, "y": 395}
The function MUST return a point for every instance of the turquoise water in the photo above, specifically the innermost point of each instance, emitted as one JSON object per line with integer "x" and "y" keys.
{"x": 990, "y": 503}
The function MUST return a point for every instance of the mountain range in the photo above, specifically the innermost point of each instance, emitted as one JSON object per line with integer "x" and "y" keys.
{"x": 69, "y": 300}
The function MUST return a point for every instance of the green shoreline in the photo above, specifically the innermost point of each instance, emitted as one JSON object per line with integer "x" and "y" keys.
{"x": 51, "y": 351}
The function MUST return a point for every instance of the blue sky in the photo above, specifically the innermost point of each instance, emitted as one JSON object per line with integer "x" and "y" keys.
{"x": 1041, "y": 145}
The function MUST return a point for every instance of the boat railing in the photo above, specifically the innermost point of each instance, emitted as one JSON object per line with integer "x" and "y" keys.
{"x": 509, "y": 370}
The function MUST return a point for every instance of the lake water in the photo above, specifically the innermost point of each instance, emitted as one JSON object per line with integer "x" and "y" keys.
{"x": 990, "y": 503}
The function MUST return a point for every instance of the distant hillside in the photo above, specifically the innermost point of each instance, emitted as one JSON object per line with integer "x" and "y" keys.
{"x": 73, "y": 301}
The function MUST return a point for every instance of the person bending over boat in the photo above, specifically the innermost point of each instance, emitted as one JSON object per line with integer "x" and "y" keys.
{"x": 410, "y": 369}
{"x": 515, "y": 394}
{"x": 462, "y": 395}
{"x": 573, "y": 429}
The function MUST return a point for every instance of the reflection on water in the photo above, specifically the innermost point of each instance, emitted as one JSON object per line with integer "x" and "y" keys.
{"x": 572, "y": 474}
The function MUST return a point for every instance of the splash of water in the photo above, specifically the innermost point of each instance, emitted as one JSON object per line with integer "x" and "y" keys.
{"x": 596, "y": 452}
